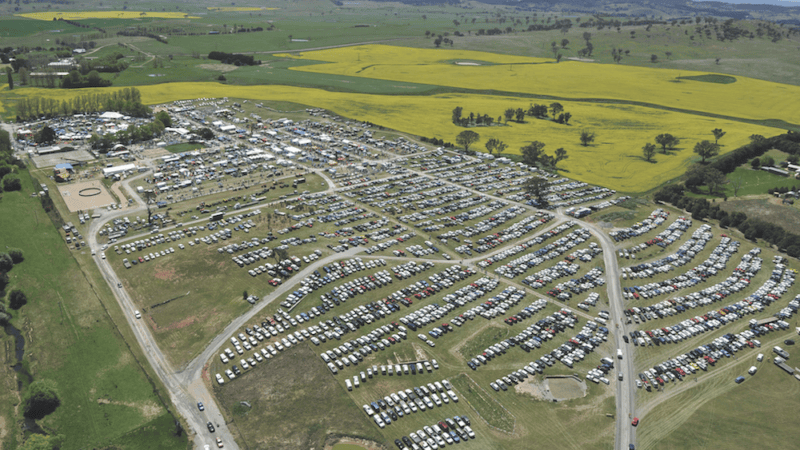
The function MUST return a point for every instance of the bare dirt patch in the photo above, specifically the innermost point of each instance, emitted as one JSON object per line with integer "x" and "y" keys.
{"x": 553, "y": 389}
{"x": 368, "y": 445}
{"x": 219, "y": 67}
{"x": 150, "y": 410}
{"x": 165, "y": 274}
{"x": 566, "y": 388}
{"x": 175, "y": 325}
{"x": 71, "y": 194}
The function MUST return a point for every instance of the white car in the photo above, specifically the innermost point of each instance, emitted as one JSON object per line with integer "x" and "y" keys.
{"x": 220, "y": 380}
{"x": 137, "y": 314}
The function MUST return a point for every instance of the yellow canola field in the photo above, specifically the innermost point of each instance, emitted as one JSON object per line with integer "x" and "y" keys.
{"x": 613, "y": 161}
{"x": 238, "y": 8}
{"x": 746, "y": 98}
{"x": 80, "y": 15}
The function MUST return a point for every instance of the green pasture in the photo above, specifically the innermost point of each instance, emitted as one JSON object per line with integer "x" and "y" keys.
{"x": 72, "y": 338}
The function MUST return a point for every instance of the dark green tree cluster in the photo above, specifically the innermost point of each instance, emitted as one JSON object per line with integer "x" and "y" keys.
{"x": 473, "y": 119}
{"x": 40, "y": 399}
{"x": 74, "y": 80}
{"x": 234, "y": 58}
{"x": 8, "y": 163}
{"x": 533, "y": 155}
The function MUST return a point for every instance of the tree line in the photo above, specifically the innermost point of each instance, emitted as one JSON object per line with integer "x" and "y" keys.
{"x": 236, "y": 59}
{"x": 126, "y": 101}
{"x": 536, "y": 111}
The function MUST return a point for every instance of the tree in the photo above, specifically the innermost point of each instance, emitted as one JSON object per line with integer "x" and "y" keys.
{"x": 45, "y": 136}
{"x": 669, "y": 54}
{"x": 519, "y": 115}
{"x": 16, "y": 255}
{"x": 555, "y": 109}
{"x": 767, "y": 161}
{"x": 467, "y": 138}
{"x": 40, "y": 399}
{"x": 756, "y": 138}
{"x": 714, "y": 179}
{"x": 649, "y": 150}
{"x": 497, "y": 145}
{"x": 6, "y": 262}
{"x": 755, "y": 163}
{"x": 736, "y": 185}
{"x": 280, "y": 254}
{"x": 457, "y": 114}
{"x": 3, "y": 280}
{"x": 11, "y": 183}
{"x": 163, "y": 116}
{"x": 718, "y": 133}
{"x": 564, "y": 43}
{"x": 24, "y": 76}
{"x": 17, "y": 299}
{"x": 532, "y": 153}
{"x": 537, "y": 188}
{"x": 587, "y": 36}
{"x": 567, "y": 116}
{"x": 560, "y": 155}
{"x": 509, "y": 114}
{"x": 205, "y": 133}
{"x": 10, "y": 79}
{"x": 587, "y": 137}
{"x": 244, "y": 295}
{"x": 666, "y": 140}
{"x": 706, "y": 149}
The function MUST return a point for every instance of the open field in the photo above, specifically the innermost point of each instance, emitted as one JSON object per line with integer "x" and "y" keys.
{"x": 768, "y": 209}
{"x": 72, "y": 337}
{"x": 720, "y": 413}
{"x": 298, "y": 399}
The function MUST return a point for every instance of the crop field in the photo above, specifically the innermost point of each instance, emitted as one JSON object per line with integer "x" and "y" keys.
{"x": 746, "y": 98}
{"x": 80, "y": 15}
{"x": 613, "y": 161}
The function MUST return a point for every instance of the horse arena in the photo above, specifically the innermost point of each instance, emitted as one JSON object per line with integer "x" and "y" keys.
{"x": 85, "y": 196}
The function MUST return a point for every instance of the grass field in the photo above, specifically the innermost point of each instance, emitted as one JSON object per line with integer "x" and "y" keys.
{"x": 184, "y": 147}
{"x": 299, "y": 400}
{"x": 753, "y": 182}
{"x": 767, "y": 209}
{"x": 73, "y": 339}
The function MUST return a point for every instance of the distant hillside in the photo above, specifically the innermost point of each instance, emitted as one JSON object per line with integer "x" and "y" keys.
{"x": 639, "y": 8}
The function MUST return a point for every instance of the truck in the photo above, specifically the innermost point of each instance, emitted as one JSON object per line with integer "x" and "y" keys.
{"x": 619, "y": 353}
{"x": 216, "y": 216}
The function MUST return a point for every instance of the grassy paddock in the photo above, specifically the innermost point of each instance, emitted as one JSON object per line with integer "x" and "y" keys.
{"x": 72, "y": 338}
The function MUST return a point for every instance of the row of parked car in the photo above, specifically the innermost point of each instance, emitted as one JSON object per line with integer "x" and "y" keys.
{"x": 673, "y": 233}
{"x": 445, "y": 432}
{"x": 704, "y": 356}
{"x": 655, "y": 219}
{"x": 716, "y": 262}
{"x": 405, "y": 402}
{"x": 548, "y": 252}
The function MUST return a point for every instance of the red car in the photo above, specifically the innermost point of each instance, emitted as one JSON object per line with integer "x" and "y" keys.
{"x": 635, "y": 421}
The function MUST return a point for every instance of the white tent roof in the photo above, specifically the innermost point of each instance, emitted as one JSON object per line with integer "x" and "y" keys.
{"x": 111, "y": 115}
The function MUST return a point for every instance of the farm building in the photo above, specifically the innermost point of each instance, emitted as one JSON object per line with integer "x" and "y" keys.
{"x": 49, "y": 150}
{"x": 780, "y": 172}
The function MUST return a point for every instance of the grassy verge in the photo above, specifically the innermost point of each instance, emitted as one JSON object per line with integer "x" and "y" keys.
{"x": 489, "y": 409}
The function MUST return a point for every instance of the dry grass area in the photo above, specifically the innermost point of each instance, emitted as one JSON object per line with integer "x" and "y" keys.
{"x": 218, "y": 67}
{"x": 295, "y": 403}
{"x": 767, "y": 209}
